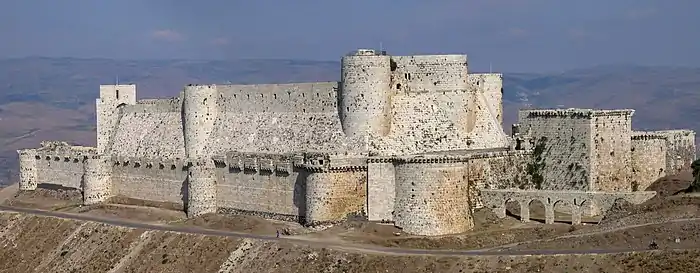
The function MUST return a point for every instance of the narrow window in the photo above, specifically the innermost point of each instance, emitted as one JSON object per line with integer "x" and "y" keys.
{"x": 117, "y": 93}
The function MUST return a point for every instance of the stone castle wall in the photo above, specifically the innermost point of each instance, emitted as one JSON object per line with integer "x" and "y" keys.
{"x": 611, "y": 156}
{"x": 159, "y": 180}
{"x": 656, "y": 154}
{"x": 562, "y": 148}
{"x": 405, "y": 139}
{"x": 437, "y": 193}
{"x": 680, "y": 150}
{"x": 288, "y": 118}
{"x": 148, "y": 130}
{"x": 648, "y": 159}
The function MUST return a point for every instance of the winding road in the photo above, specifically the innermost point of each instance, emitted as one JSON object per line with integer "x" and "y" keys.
{"x": 368, "y": 249}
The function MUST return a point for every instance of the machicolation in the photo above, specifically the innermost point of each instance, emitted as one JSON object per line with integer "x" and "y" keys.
{"x": 417, "y": 141}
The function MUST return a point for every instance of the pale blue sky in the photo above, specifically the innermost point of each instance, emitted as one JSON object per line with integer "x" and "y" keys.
{"x": 525, "y": 35}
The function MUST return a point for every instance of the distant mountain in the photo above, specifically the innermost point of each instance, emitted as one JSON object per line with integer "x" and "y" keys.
{"x": 53, "y": 98}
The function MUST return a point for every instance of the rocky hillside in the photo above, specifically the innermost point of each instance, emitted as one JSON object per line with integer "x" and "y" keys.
{"x": 45, "y": 244}
{"x": 53, "y": 98}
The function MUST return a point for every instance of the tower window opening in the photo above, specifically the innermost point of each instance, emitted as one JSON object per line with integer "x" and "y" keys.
{"x": 117, "y": 93}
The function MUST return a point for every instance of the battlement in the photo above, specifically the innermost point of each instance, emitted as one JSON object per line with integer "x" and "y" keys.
{"x": 460, "y": 157}
{"x": 260, "y": 162}
{"x": 367, "y": 52}
{"x": 574, "y": 113}
{"x": 645, "y": 135}
{"x": 173, "y": 164}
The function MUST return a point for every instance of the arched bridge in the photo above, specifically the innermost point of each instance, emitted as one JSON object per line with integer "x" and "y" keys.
{"x": 576, "y": 200}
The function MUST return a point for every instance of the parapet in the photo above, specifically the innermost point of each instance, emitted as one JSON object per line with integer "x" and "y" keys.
{"x": 574, "y": 113}
{"x": 56, "y": 150}
{"x": 278, "y": 163}
{"x": 367, "y": 52}
{"x": 150, "y": 163}
{"x": 457, "y": 157}
{"x": 644, "y": 135}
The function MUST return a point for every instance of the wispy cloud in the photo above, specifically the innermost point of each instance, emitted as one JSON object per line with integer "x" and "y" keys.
{"x": 516, "y": 32}
{"x": 167, "y": 35}
{"x": 640, "y": 13}
{"x": 220, "y": 41}
{"x": 579, "y": 34}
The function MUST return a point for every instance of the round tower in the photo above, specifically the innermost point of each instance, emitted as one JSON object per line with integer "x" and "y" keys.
{"x": 201, "y": 188}
{"x": 28, "y": 172}
{"x": 365, "y": 99}
{"x": 97, "y": 187}
{"x": 200, "y": 111}
{"x": 432, "y": 198}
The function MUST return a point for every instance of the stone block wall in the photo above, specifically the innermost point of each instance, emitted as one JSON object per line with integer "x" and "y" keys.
{"x": 61, "y": 167}
{"x": 28, "y": 169}
{"x": 562, "y": 147}
{"x": 429, "y": 73}
{"x": 427, "y": 122}
{"x": 381, "y": 190}
{"x": 680, "y": 150}
{"x": 262, "y": 185}
{"x": 611, "y": 161}
{"x": 498, "y": 170}
{"x": 160, "y": 180}
{"x": 97, "y": 179}
{"x": 112, "y": 97}
{"x": 334, "y": 195}
{"x": 365, "y": 95}
{"x": 287, "y": 118}
{"x": 432, "y": 197}
{"x": 648, "y": 159}
{"x": 149, "y": 129}
{"x": 491, "y": 85}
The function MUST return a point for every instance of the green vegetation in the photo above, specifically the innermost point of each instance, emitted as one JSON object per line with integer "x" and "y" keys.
{"x": 695, "y": 186}
{"x": 536, "y": 166}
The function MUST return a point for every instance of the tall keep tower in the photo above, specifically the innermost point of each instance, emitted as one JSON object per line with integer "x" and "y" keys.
{"x": 107, "y": 105}
{"x": 365, "y": 99}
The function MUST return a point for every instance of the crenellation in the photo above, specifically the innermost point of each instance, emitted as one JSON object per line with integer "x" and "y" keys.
{"x": 416, "y": 141}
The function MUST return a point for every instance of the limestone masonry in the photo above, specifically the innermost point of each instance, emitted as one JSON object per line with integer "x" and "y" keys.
{"x": 408, "y": 140}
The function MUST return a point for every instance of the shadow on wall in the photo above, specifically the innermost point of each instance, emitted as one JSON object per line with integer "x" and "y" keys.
{"x": 55, "y": 187}
{"x": 300, "y": 194}
{"x": 184, "y": 193}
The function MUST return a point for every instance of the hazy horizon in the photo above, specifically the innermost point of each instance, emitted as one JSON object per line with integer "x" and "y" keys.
{"x": 524, "y": 36}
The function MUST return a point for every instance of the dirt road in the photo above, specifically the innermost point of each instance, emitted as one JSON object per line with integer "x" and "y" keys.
{"x": 332, "y": 245}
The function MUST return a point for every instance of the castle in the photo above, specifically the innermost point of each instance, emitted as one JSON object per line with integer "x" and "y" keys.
{"x": 409, "y": 140}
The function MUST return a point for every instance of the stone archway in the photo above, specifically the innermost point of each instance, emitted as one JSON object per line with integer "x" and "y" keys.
{"x": 538, "y": 209}
{"x": 512, "y": 208}
{"x": 561, "y": 210}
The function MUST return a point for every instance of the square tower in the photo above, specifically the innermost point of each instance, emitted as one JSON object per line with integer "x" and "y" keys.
{"x": 111, "y": 98}
{"x": 579, "y": 149}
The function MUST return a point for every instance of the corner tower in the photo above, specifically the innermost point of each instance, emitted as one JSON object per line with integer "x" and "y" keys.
{"x": 111, "y": 98}
{"x": 365, "y": 99}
